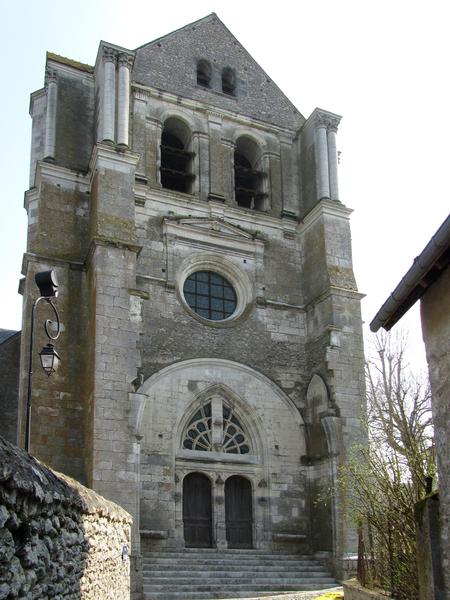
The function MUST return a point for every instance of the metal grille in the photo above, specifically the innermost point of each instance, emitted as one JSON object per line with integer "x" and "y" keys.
{"x": 210, "y": 295}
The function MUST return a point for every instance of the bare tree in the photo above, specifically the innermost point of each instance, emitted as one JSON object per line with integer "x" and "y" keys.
{"x": 385, "y": 478}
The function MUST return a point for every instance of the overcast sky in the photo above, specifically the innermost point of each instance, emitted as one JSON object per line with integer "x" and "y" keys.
{"x": 382, "y": 65}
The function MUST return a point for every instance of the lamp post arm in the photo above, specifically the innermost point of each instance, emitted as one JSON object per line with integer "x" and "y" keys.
{"x": 51, "y": 336}
{"x": 48, "y": 322}
{"x": 30, "y": 376}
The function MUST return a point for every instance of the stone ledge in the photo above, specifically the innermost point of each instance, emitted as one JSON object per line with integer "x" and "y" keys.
{"x": 154, "y": 534}
{"x": 289, "y": 537}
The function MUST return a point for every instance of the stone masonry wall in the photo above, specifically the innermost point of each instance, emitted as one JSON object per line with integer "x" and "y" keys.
{"x": 436, "y": 334}
{"x": 9, "y": 388}
{"x": 58, "y": 539}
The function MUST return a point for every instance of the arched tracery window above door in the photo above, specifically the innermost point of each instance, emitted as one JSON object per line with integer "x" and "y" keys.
{"x": 215, "y": 427}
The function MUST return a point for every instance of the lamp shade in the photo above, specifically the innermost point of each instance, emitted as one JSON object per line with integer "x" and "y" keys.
{"x": 47, "y": 283}
{"x": 50, "y": 359}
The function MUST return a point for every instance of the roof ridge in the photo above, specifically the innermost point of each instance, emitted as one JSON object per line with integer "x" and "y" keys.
{"x": 211, "y": 15}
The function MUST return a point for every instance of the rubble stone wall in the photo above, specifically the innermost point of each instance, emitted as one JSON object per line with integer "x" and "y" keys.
{"x": 58, "y": 539}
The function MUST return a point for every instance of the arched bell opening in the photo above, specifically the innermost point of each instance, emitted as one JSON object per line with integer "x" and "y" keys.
{"x": 176, "y": 156}
{"x": 249, "y": 176}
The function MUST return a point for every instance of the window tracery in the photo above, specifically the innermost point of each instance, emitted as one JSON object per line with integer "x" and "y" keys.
{"x": 198, "y": 434}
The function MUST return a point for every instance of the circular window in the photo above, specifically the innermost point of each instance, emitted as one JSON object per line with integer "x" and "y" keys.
{"x": 210, "y": 295}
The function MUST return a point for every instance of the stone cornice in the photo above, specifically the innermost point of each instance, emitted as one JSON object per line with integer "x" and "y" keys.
{"x": 61, "y": 67}
{"x": 329, "y": 208}
{"x": 108, "y": 156}
{"x": 323, "y": 118}
{"x": 50, "y": 260}
{"x": 211, "y": 232}
{"x": 70, "y": 179}
{"x": 334, "y": 291}
{"x": 113, "y": 49}
{"x": 191, "y": 205}
{"x": 106, "y": 242}
{"x": 198, "y": 106}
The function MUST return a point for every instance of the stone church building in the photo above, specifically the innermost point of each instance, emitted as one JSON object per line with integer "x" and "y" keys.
{"x": 211, "y": 380}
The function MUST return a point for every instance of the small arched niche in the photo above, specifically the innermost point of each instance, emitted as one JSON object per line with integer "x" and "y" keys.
{"x": 229, "y": 81}
{"x": 204, "y": 73}
{"x": 249, "y": 178}
{"x": 176, "y": 156}
{"x": 317, "y": 405}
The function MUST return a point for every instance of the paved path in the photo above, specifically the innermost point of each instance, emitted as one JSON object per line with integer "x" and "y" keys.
{"x": 297, "y": 595}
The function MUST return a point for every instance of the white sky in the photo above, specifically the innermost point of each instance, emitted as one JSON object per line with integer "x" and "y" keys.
{"x": 383, "y": 65}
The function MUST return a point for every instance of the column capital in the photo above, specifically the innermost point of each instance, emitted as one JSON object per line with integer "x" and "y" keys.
{"x": 109, "y": 55}
{"x": 51, "y": 76}
{"x": 126, "y": 60}
{"x": 333, "y": 124}
{"x": 323, "y": 118}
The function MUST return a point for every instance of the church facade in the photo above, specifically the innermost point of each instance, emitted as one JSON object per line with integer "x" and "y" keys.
{"x": 212, "y": 360}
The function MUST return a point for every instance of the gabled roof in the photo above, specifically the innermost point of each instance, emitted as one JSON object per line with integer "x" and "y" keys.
{"x": 169, "y": 64}
{"x": 5, "y": 334}
{"x": 425, "y": 270}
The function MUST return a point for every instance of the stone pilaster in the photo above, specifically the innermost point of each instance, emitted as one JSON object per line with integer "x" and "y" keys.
{"x": 321, "y": 153}
{"x": 289, "y": 175}
{"x": 109, "y": 95}
{"x": 335, "y": 346}
{"x": 217, "y": 172}
{"x": 50, "y": 115}
{"x": 123, "y": 99}
{"x": 114, "y": 358}
{"x": 333, "y": 158}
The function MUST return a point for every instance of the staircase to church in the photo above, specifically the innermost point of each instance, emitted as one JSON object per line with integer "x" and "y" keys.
{"x": 194, "y": 574}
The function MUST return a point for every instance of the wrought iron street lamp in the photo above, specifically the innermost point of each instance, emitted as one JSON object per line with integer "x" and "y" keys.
{"x": 50, "y": 359}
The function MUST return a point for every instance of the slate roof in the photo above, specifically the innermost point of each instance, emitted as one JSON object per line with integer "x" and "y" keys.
{"x": 426, "y": 268}
{"x": 5, "y": 334}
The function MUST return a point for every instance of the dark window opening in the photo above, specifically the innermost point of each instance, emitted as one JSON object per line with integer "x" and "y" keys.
{"x": 204, "y": 73}
{"x": 248, "y": 181}
{"x": 228, "y": 82}
{"x": 176, "y": 161}
{"x": 210, "y": 295}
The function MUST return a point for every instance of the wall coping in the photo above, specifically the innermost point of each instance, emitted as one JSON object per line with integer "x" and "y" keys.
{"x": 21, "y": 471}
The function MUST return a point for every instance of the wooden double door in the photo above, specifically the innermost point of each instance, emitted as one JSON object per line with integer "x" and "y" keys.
{"x": 198, "y": 515}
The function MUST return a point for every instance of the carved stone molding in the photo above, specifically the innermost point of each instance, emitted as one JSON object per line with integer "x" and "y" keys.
{"x": 109, "y": 55}
{"x": 51, "y": 76}
{"x": 126, "y": 60}
{"x": 327, "y": 120}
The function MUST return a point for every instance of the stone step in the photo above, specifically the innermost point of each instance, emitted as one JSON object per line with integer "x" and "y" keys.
{"x": 230, "y": 559}
{"x": 219, "y": 571}
{"x": 195, "y": 573}
{"x": 237, "y": 554}
{"x": 168, "y": 583}
{"x": 275, "y": 585}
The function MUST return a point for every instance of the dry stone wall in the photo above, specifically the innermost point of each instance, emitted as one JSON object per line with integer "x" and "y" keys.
{"x": 58, "y": 539}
